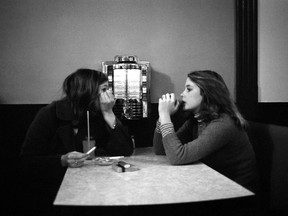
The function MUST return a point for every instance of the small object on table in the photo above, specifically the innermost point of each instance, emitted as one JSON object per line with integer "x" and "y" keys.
{"x": 120, "y": 167}
{"x": 103, "y": 161}
{"x": 123, "y": 164}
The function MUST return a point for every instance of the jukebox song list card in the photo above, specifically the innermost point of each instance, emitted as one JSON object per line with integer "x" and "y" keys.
{"x": 133, "y": 80}
{"x": 120, "y": 83}
{"x": 127, "y": 83}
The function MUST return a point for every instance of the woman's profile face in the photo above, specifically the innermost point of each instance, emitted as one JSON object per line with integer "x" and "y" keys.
{"x": 191, "y": 96}
{"x": 103, "y": 87}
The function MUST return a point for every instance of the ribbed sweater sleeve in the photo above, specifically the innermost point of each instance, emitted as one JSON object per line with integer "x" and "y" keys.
{"x": 166, "y": 129}
{"x": 212, "y": 137}
{"x": 184, "y": 134}
{"x": 157, "y": 129}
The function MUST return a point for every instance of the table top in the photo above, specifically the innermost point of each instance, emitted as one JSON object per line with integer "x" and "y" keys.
{"x": 156, "y": 182}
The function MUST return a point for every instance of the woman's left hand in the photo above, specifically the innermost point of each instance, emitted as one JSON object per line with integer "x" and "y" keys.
{"x": 168, "y": 105}
{"x": 107, "y": 101}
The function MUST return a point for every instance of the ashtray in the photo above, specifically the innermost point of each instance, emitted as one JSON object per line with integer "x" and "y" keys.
{"x": 103, "y": 161}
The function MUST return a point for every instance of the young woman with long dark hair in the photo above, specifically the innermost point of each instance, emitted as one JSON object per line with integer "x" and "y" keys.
{"x": 54, "y": 139}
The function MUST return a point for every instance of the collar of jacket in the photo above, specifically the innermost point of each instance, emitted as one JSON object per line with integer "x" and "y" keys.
{"x": 63, "y": 110}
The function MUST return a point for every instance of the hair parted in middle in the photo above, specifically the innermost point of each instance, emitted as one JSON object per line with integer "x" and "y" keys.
{"x": 82, "y": 89}
{"x": 216, "y": 96}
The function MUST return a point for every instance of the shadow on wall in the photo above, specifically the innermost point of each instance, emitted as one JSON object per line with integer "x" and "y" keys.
{"x": 1, "y": 100}
{"x": 160, "y": 84}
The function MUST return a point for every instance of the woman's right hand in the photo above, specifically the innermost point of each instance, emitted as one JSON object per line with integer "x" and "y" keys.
{"x": 73, "y": 159}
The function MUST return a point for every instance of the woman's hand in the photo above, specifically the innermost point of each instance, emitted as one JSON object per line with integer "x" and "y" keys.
{"x": 168, "y": 105}
{"x": 107, "y": 102}
{"x": 73, "y": 159}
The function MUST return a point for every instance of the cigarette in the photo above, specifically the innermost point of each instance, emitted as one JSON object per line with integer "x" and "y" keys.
{"x": 91, "y": 150}
{"x": 116, "y": 157}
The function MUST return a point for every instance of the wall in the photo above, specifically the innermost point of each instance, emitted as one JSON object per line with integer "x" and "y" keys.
{"x": 273, "y": 51}
{"x": 272, "y": 87}
{"x": 42, "y": 41}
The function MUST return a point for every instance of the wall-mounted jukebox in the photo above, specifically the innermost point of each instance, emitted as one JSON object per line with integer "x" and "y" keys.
{"x": 129, "y": 80}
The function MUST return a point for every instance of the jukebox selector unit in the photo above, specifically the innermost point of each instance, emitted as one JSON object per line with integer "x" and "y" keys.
{"x": 129, "y": 81}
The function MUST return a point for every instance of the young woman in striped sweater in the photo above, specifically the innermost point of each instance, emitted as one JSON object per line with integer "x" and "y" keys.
{"x": 214, "y": 133}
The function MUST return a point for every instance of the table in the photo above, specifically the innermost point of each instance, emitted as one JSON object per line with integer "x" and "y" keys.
{"x": 157, "y": 182}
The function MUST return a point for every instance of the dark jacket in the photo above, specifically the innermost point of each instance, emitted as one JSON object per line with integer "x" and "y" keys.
{"x": 51, "y": 135}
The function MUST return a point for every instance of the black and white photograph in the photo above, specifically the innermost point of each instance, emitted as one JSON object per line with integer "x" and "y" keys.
{"x": 144, "y": 107}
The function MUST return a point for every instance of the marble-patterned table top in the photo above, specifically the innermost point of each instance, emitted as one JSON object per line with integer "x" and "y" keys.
{"x": 156, "y": 182}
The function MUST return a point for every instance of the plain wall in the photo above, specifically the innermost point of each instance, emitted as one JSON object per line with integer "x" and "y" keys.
{"x": 42, "y": 41}
{"x": 273, "y": 51}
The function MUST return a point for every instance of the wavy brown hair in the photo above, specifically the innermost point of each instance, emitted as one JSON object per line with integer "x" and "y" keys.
{"x": 82, "y": 89}
{"x": 216, "y": 97}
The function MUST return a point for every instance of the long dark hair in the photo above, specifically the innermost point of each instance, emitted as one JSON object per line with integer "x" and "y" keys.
{"x": 216, "y": 97}
{"x": 82, "y": 90}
